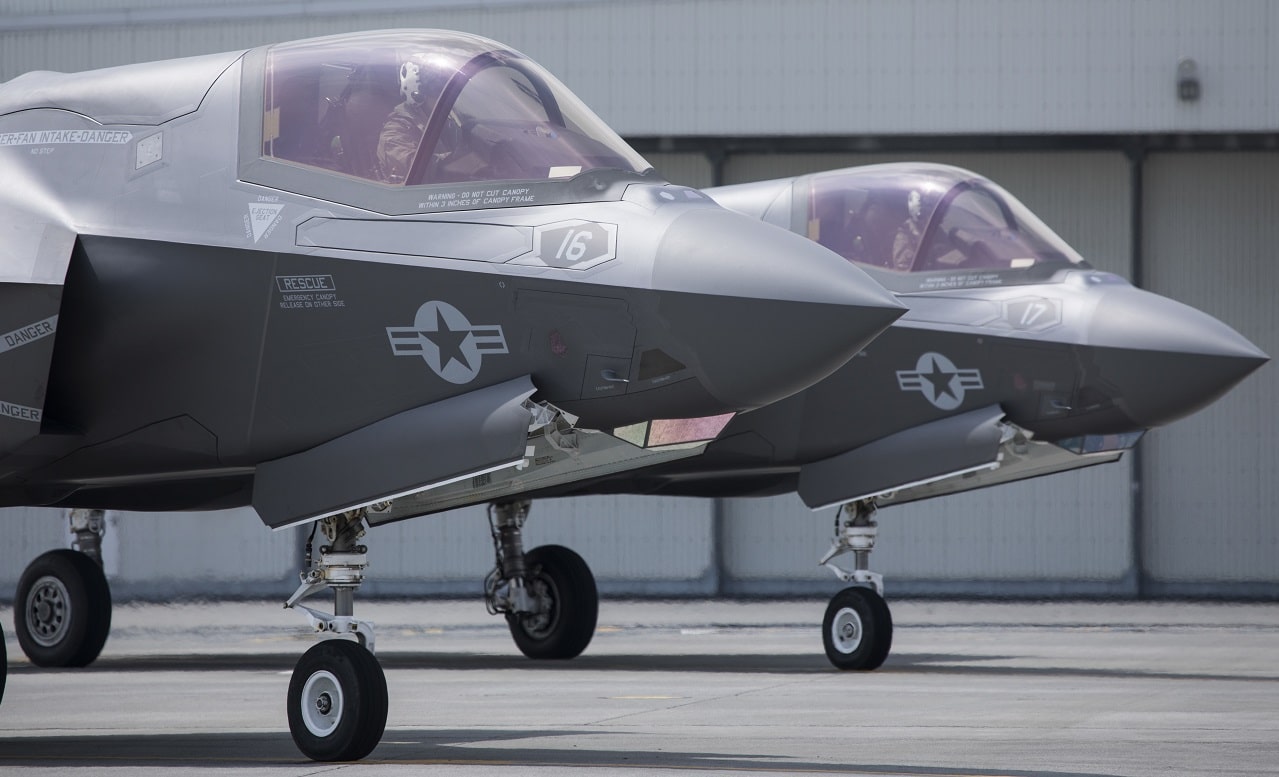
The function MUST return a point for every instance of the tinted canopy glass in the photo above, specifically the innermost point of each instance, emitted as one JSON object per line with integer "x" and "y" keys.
{"x": 927, "y": 218}
{"x": 428, "y": 107}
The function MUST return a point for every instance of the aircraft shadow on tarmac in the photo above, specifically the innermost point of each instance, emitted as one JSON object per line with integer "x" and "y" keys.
{"x": 902, "y": 662}
{"x": 426, "y": 748}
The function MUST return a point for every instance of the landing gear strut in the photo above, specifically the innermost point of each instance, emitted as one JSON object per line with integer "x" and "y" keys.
{"x": 337, "y": 700}
{"x": 857, "y": 631}
{"x": 548, "y": 594}
{"x": 62, "y": 610}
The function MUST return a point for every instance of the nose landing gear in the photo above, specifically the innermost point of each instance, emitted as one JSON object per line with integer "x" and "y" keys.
{"x": 337, "y": 701}
{"x": 857, "y": 631}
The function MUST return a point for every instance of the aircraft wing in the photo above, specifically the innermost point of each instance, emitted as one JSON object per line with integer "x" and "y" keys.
{"x": 418, "y": 449}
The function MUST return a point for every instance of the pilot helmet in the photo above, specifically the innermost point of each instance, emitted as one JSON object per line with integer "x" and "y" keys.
{"x": 422, "y": 78}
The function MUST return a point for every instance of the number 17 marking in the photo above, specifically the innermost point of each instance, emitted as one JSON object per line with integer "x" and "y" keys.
{"x": 1032, "y": 313}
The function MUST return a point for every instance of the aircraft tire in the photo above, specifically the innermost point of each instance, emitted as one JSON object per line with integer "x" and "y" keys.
{"x": 561, "y": 575}
{"x": 857, "y": 631}
{"x": 62, "y": 610}
{"x": 337, "y": 702}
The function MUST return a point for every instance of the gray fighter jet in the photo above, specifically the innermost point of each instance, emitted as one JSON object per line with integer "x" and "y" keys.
{"x": 358, "y": 279}
{"x": 1015, "y": 360}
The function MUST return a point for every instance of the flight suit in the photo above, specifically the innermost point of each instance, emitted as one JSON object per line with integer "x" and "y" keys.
{"x": 401, "y": 135}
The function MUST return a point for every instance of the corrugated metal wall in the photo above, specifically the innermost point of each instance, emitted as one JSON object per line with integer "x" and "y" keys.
{"x": 65, "y": 7}
{"x": 194, "y": 554}
{"x": 28, "y": 532}
{"x": 752, "y": 67}
{"x": 638, "y": 545}
{"x": 1212, "y": 241}
{"x": 164, "y": 555}
{"x": 684, "y": 169}
{"x": 634, "y": 545}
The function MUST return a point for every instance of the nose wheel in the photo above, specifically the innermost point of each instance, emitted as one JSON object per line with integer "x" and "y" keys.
{"x": 337, "y": 702}
{"x": 857, "y": 631}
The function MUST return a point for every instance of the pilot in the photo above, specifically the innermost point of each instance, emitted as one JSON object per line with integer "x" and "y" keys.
{"x": 875, "y": 230}
{"x": 906, "y": 241}
{"x": 422, "y": 80}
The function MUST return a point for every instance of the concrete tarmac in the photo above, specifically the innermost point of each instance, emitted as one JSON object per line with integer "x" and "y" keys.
{"x": 706, "y": 687}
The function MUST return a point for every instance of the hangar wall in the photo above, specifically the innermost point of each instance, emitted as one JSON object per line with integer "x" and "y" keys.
{"x": 823, "y": 70}
{"x": 638, "y": 546}
{"x": 758, "y": 67}
{"x": 1211, "y": 242}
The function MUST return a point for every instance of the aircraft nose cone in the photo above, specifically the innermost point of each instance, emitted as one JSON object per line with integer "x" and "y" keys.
{"x": 766, "y": 313}
{"x": 1162, "y": 359}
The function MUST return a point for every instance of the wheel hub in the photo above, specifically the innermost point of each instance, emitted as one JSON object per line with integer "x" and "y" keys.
{"x": 48, "y": 611}
{"x": 322, "y": 703}
{"x": 846, "y": 630}
{"x": 541, "y": 623}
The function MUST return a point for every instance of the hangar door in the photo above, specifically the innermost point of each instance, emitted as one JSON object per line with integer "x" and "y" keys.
{"x": 1212, "y": 241}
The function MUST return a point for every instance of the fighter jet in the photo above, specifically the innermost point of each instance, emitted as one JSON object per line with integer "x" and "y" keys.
{"x": 332, "y": 278}
{"x": 1016, "y": 360}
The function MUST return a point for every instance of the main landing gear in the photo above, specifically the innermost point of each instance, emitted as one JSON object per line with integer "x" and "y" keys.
{"x": 62, "y": 610}
{"x": 337, "y": 700}
{"x": 548, "y": 595}
{"x": 857, "y": 631}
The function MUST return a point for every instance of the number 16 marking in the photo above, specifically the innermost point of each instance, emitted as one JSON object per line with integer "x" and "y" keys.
{"x": 573, "y": 247}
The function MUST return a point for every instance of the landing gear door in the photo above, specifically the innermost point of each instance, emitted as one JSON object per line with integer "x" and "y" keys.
{"x": 454, "y": 439}
{"x": 943, "y": 448}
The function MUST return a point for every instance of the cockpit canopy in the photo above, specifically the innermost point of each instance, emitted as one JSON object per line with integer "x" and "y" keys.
{"x": 914, "y": 218}
{"x": 420, "y": 107}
